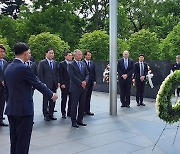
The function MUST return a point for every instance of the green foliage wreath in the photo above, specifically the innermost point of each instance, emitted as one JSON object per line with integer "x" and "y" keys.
{"x": 166, "y": 111}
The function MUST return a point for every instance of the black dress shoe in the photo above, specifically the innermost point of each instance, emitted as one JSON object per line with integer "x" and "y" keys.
{"x": 47, "y": 119}
{"x": 142, "y": 104}
{"x": 55, "y": 110}
{"x": 90, "y": 113}
{"x": 123, "y": 106}
{"x": 52, "y": 118}
{"x": 81, "y": 124}
{"x": 64, "y": 116}
{"x": 3, "y": 124}
{"x": 75, "y": 125}
{"x": 128, "y": 106}
{"x": 3, "y": 118}
{"x": 138, "y": 104}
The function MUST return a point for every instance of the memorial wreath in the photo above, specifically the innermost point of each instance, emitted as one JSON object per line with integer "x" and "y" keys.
{"x": 166, "y": 110}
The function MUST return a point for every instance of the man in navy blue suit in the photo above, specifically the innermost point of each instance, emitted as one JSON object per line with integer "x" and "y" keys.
{"x": 19, "y": 80}
{"x": 79, "y": 77}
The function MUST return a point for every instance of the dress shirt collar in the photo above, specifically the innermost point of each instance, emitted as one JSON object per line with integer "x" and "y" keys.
{"x": 67, "y": 62}
{"x": 20, "y": 60}
{"x": 49, "y": 60}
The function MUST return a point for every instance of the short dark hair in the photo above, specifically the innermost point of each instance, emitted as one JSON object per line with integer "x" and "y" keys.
{"x": 141, "y": 55}
{"x": 87, "y": 52}
{"x": 2, "y": 47}
{"x": 20, "y": 48}
{"x": 66, "y": 53}
{"x": 48, "y": 49}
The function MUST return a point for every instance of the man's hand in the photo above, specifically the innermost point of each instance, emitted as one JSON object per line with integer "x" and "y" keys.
{"x": 124, "y": 76}
{"x": 63, "y": 86}
{"x": 83, "y": 84}
{"x": 94, "y": 84}
{"x": 55, "y": 97}
{"x": 142, "y": 78}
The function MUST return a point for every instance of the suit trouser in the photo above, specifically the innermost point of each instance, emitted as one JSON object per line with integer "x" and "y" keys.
{"x": 78, "y": 101}
{"x": 140, "y": 87}
{"x": 64, "y": 94}
{"x": 20, "y": 133}
{"x": 2, "y": 102}
{"x": 88, "y": 98}
{"x": 125, "y": 92}
{"x": 48, "y": 104}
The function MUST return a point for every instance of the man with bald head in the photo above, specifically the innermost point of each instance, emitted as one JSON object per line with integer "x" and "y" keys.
{"x": 79, "y": 77}
{"x": 125, "y": 70}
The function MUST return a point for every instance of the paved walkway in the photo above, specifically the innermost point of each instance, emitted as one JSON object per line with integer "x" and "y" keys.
{"x": 134, "y": 131}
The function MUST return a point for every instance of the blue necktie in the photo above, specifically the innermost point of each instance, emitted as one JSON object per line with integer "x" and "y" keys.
{"x": 79, "y": 65}
{"x": 125, "y": 63}
{"x": 1, "y": 64}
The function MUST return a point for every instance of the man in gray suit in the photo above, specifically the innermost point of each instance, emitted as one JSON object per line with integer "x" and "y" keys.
{"x": 3, "y": 64}
{"x": 48, "y": 74}
{"x": 79, "y": 76}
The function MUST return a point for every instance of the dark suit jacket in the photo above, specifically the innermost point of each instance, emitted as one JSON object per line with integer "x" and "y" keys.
{"x": 2, "y": 71}
{"x": 63, "y": 74}
{"x": 121, "y": 69}
{"x": 76, "y": 77}
{"x": 47, "y": 75}
{"x": 175, "y": 66}
{"x": 19, "y": 80}
{"x": 137, "y": 70}
{"x": 92, "y": 73}
{"x": 33, "y": 67}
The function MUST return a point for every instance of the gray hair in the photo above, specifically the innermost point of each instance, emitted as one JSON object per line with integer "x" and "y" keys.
{"x": 76, "y": 50}
{"x": 178, "y": 56}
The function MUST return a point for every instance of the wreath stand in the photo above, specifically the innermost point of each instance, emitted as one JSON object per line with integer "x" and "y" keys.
{"x": 177, "y": 129}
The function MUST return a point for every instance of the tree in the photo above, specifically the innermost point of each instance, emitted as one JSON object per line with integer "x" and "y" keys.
{"x": 144, "y": 42}
{"x": 3, "y": 41}
{"x": 11, "y": 7}
{"x": 170, "y": 45}
{"x": 8, "y": 29}
{"x": 41, "y": 42}
{"x": 57, "y": 19}
{"x": 98, "y": 43}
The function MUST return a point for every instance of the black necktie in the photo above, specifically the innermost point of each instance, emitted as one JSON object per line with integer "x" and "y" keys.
{"x": 141, "y": 69}
{"x": 51, "y": 65}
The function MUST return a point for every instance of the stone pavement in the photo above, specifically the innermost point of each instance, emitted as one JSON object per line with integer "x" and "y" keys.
{"x": 134, "y": 130}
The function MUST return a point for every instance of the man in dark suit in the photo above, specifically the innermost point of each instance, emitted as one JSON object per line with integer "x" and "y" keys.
{"x": 19, "y": 80}
{"x": 125, "y": 70}
{"x": 79, "y": 76}
{"x": 91, "y": 82}
{"x": 48, "y": 74}
{"x": 140, "y": 72}
{"x": 3, "y": 65}
{"x": 64, "y": 84}
{"x": 176, "y": 66}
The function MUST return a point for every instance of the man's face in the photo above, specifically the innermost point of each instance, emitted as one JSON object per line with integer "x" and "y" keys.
{"x": 141, "y": 58}
{"x": 68, "y": 57}
{"x": 178, "y": 60}
{"x": 125, "y": 54}
{"x": 2, "y": 53}
{"x": 27, "y": 55}
{"x": 88, "y": 56}
{"x": 50, "y": 55}
{"x": 78, "y": 55}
